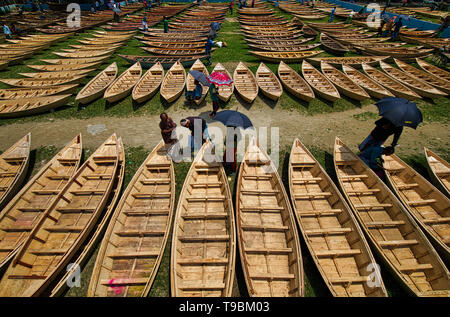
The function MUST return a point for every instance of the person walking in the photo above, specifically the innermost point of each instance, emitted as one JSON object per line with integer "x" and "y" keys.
{"x": 332, "y": 14}
{"x": 231, "y": 7}
{"x": 397, "y": 28}
{"x": 166, "y": 25}
{"x": 208, "y": 47}
{"x": 214, "y": 93}
{"x": 144, "y": 24}
{"x": 7, "y": 31}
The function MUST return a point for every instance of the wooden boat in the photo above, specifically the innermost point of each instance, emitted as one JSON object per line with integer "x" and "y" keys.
{"x": 225, "y": 91}
{"x": 276, "y": 42}
{"x": 149, "y": 84}
{"x": 245, "y": 82}
{"x": 166, "y": 61}
{"x": 81, "y": 54}
{"x": 75, "y": 61}
{"x": 58, "y": 74}
{"x": 287, "y": 57}
{"x": 175, "y": 45}
{"x": 418, "y": 86}
{"x": 309, "y": 31}
{"x": 323, "y": 216}
{"x": 14, "y": 165}
{"x": 176, "y": 52}
{"x": 394, "y": 86}
{"x": 284, "y": 48}
{"x": 96, "y": 87}
{"x": 24, "y": 211}
{"x": 353, "y": 61}
{"x": 294, "y": 83}
{"x": 82, "y": 256}
{"x": 310, "y": 16}
{"x": 190, "y": 86}
{"x": 439, "y": 171}
{"x": 319, "y": 83}
{"x": 331, "y": 45}
{"x": 373, "y": 88}
{"x": 392, "y": 231}
{"x": 269, "y": 245}
{"x": 343, "y": 84}
{"x": 105, "y": 42}
{"x": 204, "y": 236}
{"x": 173, "y": 83}
{"x": 428, "y": 206}
{"x": 123, "y": 85}
{"x": 38, "y": 83}
{"x": 138, "y": 231}
{"x": 64, "y": 226}
{"x": 18, "y": 93}
{"x": 59, "y": 68}
{"x": 402, "y": 53}
{"x": 433, "y": 70}
{"x": 268, "y": 83}
{"x": 90, "y": 47}
{"x": 28, "y": 106}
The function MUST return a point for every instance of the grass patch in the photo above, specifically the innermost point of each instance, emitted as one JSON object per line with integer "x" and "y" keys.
{"x": 368, "y": 115}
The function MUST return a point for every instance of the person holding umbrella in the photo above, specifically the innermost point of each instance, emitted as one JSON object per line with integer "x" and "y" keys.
{"x": 217, "y": 79}
{"x": 396, "y": 113}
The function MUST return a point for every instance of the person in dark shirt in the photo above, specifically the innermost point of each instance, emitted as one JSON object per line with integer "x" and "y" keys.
{"x": 372, "y": 157}
{"x": 167, "y": 126}
{"x": 166, "y": 25}
{"x": 190, "y": 123}
{"x": 397, "y": 27}
{"x": 382, "y": 131}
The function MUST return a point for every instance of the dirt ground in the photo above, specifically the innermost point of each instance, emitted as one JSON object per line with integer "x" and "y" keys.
{"x": 318, "y": 130}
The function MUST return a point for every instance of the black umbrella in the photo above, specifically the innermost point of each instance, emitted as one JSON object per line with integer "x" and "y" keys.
{"x": 232, "y": 118}
{"x": 400, "y": 112}
{"x": 200, "y": 77}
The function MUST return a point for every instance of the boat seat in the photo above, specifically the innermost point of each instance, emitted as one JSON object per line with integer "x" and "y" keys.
{"x": 64, "y": 228}
{"x": 146, "y": 212}
{"x": 346, "y": 162}
{"x": 407, "y": 186}
{"x": 151, "y": 195}
{"x": 350, "y": 177}
{"x": 372, "y": 206}
{"x": 203, "y": 261}
{"x": 17, "y": 228}
{"x": 415, "y": 267}
{"x": 357, "y": 192}
{"x": 303, "y": 164}
{"x": 299, "y": 180}
{"x": 138, "y": 254}
{"x": 259, "y": 191}
{"x": 69, "y": 210}
{"x": 47, "y": 251}
{"x": 14, "y": 159}
{"x": 138, "y": 233}
{"x": 27, "y": 277}
{"x": 327, "y": 231}
{"x": 207, "y": 184}
{"x": 421, "y": 202}
{"x": 199, "y": 238}
{"x": 337, "y": 253}
{"x": 46, "y": 192}
{"x": 205, "y": 198}
{"x": 205, "y": 216}
{"x": 155, "y": 181}
{"x": 272, "y": 276}
{"x": 67, "y": 160}
{"x": 265, "y": 209}
{"x": 312, "y": 195}
{"x": 206, "y": 169}
{"x": 3, "y": 249}
{"x": 97, "y": 177}
{"x": 125, "y": 281}
{"x": 397, "y": 243}
{"x": 318, "y": 213}
{"x": 433, "y": 221}
{"x": 58, "y": 177}
{"x": 349, "y": 280}
{"x": 191, "y": 286}
{"x": 384, "y": 224}
{"x": 87, "y": 192}
{"x": 268, "y": 250}
{"x": 257, "y": 177}
{"x": 157, "y": 165}
{"x": 264, "y": 228}
{"x": 442, "y": 173}
{"x": 31, "y": 209}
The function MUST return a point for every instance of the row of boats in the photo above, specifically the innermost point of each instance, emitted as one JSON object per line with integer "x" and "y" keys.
{"x": 68, "y": 207}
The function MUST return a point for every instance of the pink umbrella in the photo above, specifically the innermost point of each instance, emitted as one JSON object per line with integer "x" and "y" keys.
{"x": 220, "y": 79}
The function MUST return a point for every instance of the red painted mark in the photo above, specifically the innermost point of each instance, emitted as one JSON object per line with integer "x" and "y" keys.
{"x": 117, "y": 289}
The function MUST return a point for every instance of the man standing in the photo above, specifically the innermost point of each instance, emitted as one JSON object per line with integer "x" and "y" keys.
{"x": 397, "y": 27}
{"x": 166, "y": 25}
{"x": 332, "y": 14}
{"x": 231, "y": 6}
{"x": 208, "y": 47}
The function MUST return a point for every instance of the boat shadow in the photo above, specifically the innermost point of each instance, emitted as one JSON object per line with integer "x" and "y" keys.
{"x": 269, "y": 102}
{"x": 242, "y": 102}
{"x": 313, "y": 278}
